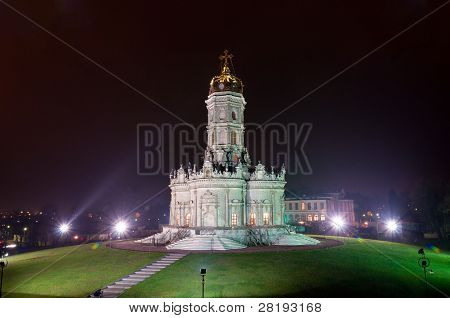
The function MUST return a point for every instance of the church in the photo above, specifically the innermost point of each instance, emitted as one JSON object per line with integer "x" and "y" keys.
{"x": 228, "y": 202}
{"x": 228, "y": 191}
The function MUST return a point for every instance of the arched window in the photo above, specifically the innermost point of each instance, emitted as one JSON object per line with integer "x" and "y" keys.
{"x": 322, "y": 217}
{"x": 233, "y": 137}
{"x": 187, "y": 219}
{"x": 234, "y": 219}
{"x": 316, "y": 217}
{"x": 252, "y": 218}
{"x": 266, "y": 218}
{"x": 309, "y": 218}
{"x": 233, "y": 115}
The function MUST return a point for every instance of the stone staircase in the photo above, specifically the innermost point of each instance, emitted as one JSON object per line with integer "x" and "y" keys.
{"x": 295, "y": 239}
{"x": 205, "y": 243}
{"x": 155, "y": 238}
{"x": 118, "y": 287}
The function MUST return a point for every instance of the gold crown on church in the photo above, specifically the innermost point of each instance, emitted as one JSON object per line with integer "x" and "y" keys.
{"x": 226, "y": 81}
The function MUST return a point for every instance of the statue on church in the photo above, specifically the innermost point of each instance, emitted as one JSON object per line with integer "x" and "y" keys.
{"x": 227, "y": 153}
{"x": 219, "y": 155}
{"x": 272, "y": 173}
{"x": 208, "y": 154}
{"x": 282, "y": 174}
{"x": 247, "y": 158}
{"x": 235, "y": 158}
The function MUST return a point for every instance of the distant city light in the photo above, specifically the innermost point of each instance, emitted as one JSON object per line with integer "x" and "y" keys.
{"x": 25, "y": 229}
{"x": 392, "y": 225}
{"x": 75, "y": 237}
{"x": 64, "y": 228}
{"x": 121, "y": 227}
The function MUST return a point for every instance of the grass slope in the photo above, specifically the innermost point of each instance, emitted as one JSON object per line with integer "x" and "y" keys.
{"x": 84, "y": 269}
{"x": 359, "y": 268}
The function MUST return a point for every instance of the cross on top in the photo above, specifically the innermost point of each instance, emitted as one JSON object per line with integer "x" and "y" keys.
{"x": 225, "y": 57}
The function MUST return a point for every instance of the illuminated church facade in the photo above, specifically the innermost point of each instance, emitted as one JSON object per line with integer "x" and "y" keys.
{"x": 227, "y": 191}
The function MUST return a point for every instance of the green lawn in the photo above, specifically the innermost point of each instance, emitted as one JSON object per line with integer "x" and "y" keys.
{"x": 359, "y": 268}
{"x": 84, "y": 269}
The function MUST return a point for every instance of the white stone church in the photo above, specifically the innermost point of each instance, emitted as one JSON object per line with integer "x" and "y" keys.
{"x": 228, "y": 191}
{"x": 228, "y": 202}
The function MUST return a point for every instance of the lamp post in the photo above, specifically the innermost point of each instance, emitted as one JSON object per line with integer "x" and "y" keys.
{"x": 4, "y": 262}
{"x": 337, "y": 223}
{"x": 424, "y": 262}
{"x": 3, "y": 265}
{"x": 203, "y": 274}
{"x": 392, "y": 226}
{"x": 120, "y": 228}
{"x": 64, "y": 229}
{"x": 25, "y": 229}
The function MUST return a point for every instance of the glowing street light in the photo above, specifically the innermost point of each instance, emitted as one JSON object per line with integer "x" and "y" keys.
{"x": 64, "y": 228}
{"x": 121, "y": 227}
{"x": 338, "y": 222}
{"x": 392, "y": 226}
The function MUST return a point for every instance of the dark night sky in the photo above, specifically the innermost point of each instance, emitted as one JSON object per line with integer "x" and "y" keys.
{"x": 68, "y": 129}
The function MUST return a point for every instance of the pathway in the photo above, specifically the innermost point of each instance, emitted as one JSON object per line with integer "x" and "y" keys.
{"x": 118, "y": 287}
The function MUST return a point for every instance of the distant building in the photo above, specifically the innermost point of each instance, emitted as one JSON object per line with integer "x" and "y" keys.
{"x": 319, "y": 209}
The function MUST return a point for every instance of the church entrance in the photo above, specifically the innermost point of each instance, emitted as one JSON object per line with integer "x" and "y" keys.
{"x": 209, "y": 209}
{"x": 208, "y": 216}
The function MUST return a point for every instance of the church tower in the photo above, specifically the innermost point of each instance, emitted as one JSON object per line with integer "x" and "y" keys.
{"x": 226, "y": 105}
{"x": 227, "y": 191}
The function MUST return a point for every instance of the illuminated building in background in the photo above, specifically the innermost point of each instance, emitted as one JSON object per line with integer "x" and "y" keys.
{"x": 319, "y": 209}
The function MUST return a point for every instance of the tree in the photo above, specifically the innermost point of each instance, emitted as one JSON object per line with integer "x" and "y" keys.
{"x": 433, "y": 202}
{"x": 444, "y": 209}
